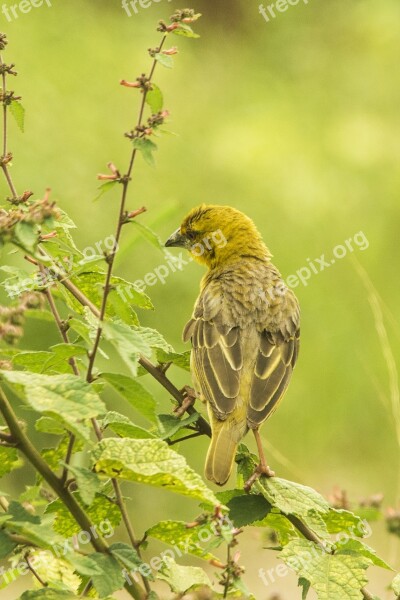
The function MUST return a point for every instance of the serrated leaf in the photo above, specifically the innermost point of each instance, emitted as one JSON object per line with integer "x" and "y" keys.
{"x": 49, "y": 425}
{"x": 154, "y": 99}
{"x": 104, "y": 188}
{"x": 53, "y": 456}
{"x": 132, "y": 342}
{"x": 100, "y": 511}
{"x": 123, "y": 426}
{"x": 18, "y": 112}
{"x": 128, "y": 557}
{"x": 63, "y": 397}
{"x": 138, "y": 397}
{"x": 111, "y": 578}
{"x": 9, "y": 460}
{"x": 132, "y": 294}
{"x": 187, "y": 540}
{"x": 146, "y": 147}
{"x": 338, "y": 520}
{"x": 49, "y": 363}
{"x": 358, "y": 548}
{"x": 26, "y": 236}
{"x": 19, "y": 513}
{"x": 151, "y": 462}
{"x": 170, "y": 425}
{"x": 181, "y": 579}
{"x": 244, "y": 510}
{"x": 283, "y": 528}
{"x": 38, "y": 534}
{"x": 88, "y": 483}
{"x": 180, "y": 360}
{"x": 333, "y": 576}
{"x": 164, "y": 60}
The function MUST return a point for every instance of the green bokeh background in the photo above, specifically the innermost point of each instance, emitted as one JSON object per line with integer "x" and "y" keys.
{"x": 295, "y": 122}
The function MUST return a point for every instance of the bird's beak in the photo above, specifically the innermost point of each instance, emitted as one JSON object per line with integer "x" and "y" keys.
{"x": 176, "y": 239}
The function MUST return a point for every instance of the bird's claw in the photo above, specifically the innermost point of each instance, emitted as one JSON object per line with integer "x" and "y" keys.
{"x": 189, "y": 398}
{"x": 258, "y": 472}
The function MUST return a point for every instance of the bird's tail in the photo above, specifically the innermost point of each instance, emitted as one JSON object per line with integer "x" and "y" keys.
{"x": 222, "y": 450}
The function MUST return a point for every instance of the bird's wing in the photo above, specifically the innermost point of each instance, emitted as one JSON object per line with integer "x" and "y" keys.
{"x": 276, "y": 358}
{"x": 216, "y": 355}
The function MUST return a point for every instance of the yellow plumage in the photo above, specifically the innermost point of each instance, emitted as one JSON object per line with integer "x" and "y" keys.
{"x": 244, "y": 330}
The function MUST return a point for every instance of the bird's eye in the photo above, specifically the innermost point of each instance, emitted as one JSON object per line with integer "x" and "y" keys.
{"x": 191, "y": 235}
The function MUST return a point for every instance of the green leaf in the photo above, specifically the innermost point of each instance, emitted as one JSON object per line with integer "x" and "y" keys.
{"x": 55, "y": 455}
{"x": 111, "y": 578}
{"x": 244, "y": 510}
{"x": 149, "y": 235}
{"x": 100, "y": 511}
{"x": 19, "y": 513}
{"x": 170, "y": 425}
{"x": 151, "y": 462}
{"x": 165, "y": 60}
{"x": 26, "y": 236}
{"x": 358, "y": 548}
{"x": 63, "y": 397}
{"x": 187, "y": 540}
{"x": 185, "y": 31}
{"x": 133, "y": 391}
{"x": 18, "y": 112}
{"x": 128, "y": 557}
{"x": 122, "y": 426}
{"x": 9, "y": 460}
{"x": 395, "y": 585}
{"x": 131, "y": 342}
{"x": 333, "y": 576}
{"x": 305, "y": 584}
{"x": 49, "y": 362}
{"x": 48, "y": 594}
{"x": 343, "y": 520}
{"x": 180, "y": 360}
{"x": 154, "y": 99}
{"x": 146, "y": 147}
{"x": 49, "y": 425}
{"x": 131, "y": 293}
{"x": 38, "y": 534}
{"x": 181, "y": 579}
{"x": 88, "y": 483}
{"x": 6, "y": 545}
{"x": 291, "y": 498}
{"x": 104, "y": 188}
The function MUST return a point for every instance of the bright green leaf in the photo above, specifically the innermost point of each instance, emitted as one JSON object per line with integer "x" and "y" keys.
{"x": 154, "y": 99}
{"x": 104, "y": 188}
{"x": 111, "y": 578}
{"x": 18, "y": 112}
{"x": 26, "y": 236}
{"x": 88, "y": 483}
{"x": 358, "y": 548}
{"x": 146, "y": 147}
{"x": 122, "y": 426}
{"x": 187, "y": 540}
{"x": 333, "y": 576}
{"x": 133, "y": 391}
{"x": 165, "y": 60}
{"x": 181, "y": 579}
{"x": 9, "y": 460}
{"x": 151, "y": 462}
{"x": 180, "y": 360}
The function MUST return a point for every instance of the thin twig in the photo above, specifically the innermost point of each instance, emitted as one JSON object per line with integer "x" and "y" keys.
{"x": 34, "y": 572}
{"x": 187, "y": 437}
{"x": 121, "y": 221}
{"x": 4, "y": 165}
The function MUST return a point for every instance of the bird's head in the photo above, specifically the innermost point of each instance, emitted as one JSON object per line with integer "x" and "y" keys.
{"x": 217, "y": 235}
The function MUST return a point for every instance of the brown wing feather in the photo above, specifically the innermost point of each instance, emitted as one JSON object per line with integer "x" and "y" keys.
{"x": 217, "y": 361}
{"x": 273, "y": 369}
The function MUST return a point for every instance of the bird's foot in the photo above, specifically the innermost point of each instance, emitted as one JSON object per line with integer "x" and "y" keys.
{"x": 258, "y": 472}
{"x": 189, "y": 398}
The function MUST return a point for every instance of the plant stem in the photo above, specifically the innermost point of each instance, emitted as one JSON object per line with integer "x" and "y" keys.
{"x": 74, "y": 367}
{"x": 4, "y": 166}
{"x": 111, "y": 257}
{"x": 34, "y": 573}
{"x": 26, "y": 447}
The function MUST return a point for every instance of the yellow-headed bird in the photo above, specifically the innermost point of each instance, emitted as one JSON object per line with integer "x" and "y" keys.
{"x": 244, "y": 330}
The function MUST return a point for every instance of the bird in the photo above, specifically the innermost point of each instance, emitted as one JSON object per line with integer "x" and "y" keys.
{"x": 244, "y": 331}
